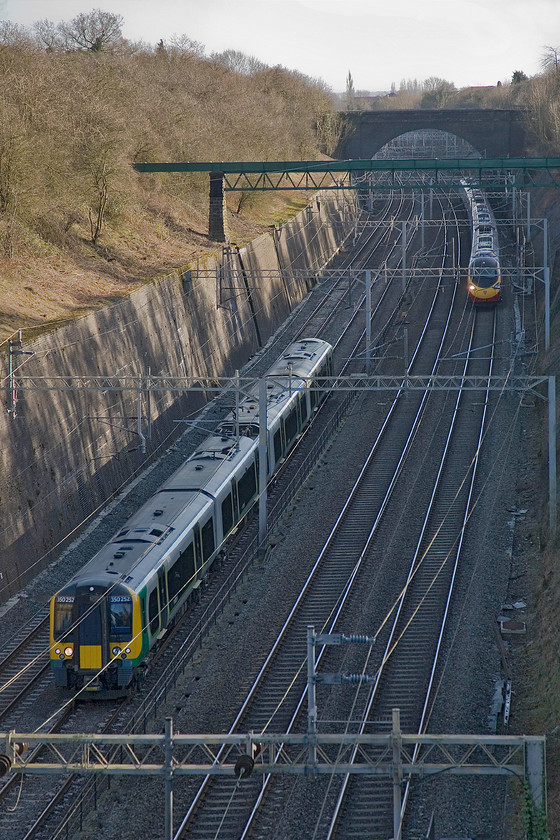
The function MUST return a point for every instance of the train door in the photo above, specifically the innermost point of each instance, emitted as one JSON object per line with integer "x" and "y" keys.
{"x": 89, "y": 635}
{"x": 163, "y": 601}
{"x": 200, "y": 571}
{"x": 153, "y": 612}
{"x": 292, "y": 425}
{"x": 276, "y": 446}
{"x": 205, "y": 544}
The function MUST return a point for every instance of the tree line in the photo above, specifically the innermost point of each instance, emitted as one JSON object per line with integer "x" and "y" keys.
{"x": 538, "y": 97}
{"x": 79, "y": 104}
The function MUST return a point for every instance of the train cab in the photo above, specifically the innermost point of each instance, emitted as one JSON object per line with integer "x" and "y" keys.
{"x": 484, "y": 279}
{"x": 96, "y": 636}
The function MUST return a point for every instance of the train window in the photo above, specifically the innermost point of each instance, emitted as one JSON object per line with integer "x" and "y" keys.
{"x": 62, "y": 615}
{"x": 120, "y": 617}
{"x": 143, "y": 610}
{"x": 153, "y": 612}
{"x": 198, "y": 546}
{"x": 314, "y": 397}
{"x": 163, "y": 599}
{"x": 305, "y": 409}
{"x": 208, "y": 543}
{"x": 278, "y": 445}
{"x": 247, "y": 487}
{"x": 291, "y": 425}
{"x": 180, "y": 574}
{"x": 227, "y": 513}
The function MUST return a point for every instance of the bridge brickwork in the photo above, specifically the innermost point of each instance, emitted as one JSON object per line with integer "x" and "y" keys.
{"x": 493, "y": 133}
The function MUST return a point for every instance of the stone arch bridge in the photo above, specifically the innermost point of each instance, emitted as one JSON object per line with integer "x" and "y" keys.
{"x": 493, "y": 133}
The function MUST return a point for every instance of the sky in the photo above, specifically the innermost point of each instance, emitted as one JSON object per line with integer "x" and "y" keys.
{"x": 380, "y": 42}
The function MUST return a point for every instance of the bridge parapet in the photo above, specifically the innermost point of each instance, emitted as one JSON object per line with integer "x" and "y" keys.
{"x": 492, "y": 132}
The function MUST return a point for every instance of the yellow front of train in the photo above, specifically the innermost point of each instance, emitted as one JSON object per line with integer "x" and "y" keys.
{"x": 484, "y": 280}
{"x": 96, "y": 639}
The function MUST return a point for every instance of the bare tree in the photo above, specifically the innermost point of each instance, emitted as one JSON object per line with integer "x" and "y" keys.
{"x": 103, "y": 175}
{"x": 94, "y": 31}
{"x": 239, "y": 62}
{"x": 437, "y": 93}
{"x": 14, "y": 35}
{"x": 551, "y": 59}
{"x": 184, "y": 44}
{"x": 49, "y": 35}
{"x": 330, "y": 129}
{"x": 13, "y": 164}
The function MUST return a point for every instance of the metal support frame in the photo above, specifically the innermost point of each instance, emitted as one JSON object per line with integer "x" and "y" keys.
{"x": 263, "y": 461}
{"x": 552, "y": 486}
{"x": 403, "y": 256}
{"x": 423, "y": 173}
{"x": 168, "y": 827}
{"x": 310, "y": 754}
{"x": 317, "y": 278}
{"x": 198, "y": 754}
{"x": 541, "y": 273}
{"x": 546, "y": 271}
{"x": 348, "y": 382}
{"x": 368, "y": 321}
{"x": 353, "y": 382}
{"x": 15, "y": 348}
{"x": 392, "y": 755}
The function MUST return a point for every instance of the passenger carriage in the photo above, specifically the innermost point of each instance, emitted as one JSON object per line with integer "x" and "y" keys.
{"x": 112, "y": 613}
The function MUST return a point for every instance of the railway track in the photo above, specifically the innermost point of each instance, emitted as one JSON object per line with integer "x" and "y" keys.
{"x": 316, "y": 613}
{"x": 23, "y": 663}
{"x": 410, "y": 653}
{"x": 277, "y": 694}
{"x": 22, "y": 677}
{"x": 336, "y": 810}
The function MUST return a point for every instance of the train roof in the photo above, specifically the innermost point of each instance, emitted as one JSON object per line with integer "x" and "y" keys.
{"x": 188, "y": 494}
{"x": 484, "y": 260}
{"x": 287, "y": 377}
{"x": 185, "y": 497}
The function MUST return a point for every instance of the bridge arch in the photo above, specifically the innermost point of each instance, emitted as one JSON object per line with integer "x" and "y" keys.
{"x": 493, "y": 133}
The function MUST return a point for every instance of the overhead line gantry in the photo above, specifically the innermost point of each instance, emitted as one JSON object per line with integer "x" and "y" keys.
{"x": 315, "y": 175}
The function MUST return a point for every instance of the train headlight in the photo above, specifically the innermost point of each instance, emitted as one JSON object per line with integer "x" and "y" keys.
{"x": 61, "y": 656}
{"x": 116, "y": 651}
{"x": 472, "y": 288}
{"x": 127, "y": 650}
{"x": 58, "y": 651}
{"x": 68, "y": 651}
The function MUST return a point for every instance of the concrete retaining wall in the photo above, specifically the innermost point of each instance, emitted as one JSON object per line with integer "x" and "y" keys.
{"x": 66, "y": 452}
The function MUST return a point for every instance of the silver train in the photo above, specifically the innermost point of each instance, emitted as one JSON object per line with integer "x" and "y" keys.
{"x": 114, "y": 610}
{"x": 484, "y": 275}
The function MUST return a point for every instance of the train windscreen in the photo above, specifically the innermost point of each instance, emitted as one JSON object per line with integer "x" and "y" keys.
{"x": 484, "y": 272}
{"x": 63, "y": 607}
{"x": 120, "y": 611}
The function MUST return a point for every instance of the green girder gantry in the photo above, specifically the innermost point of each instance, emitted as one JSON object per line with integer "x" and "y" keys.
{"x": 416, "y": 173}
